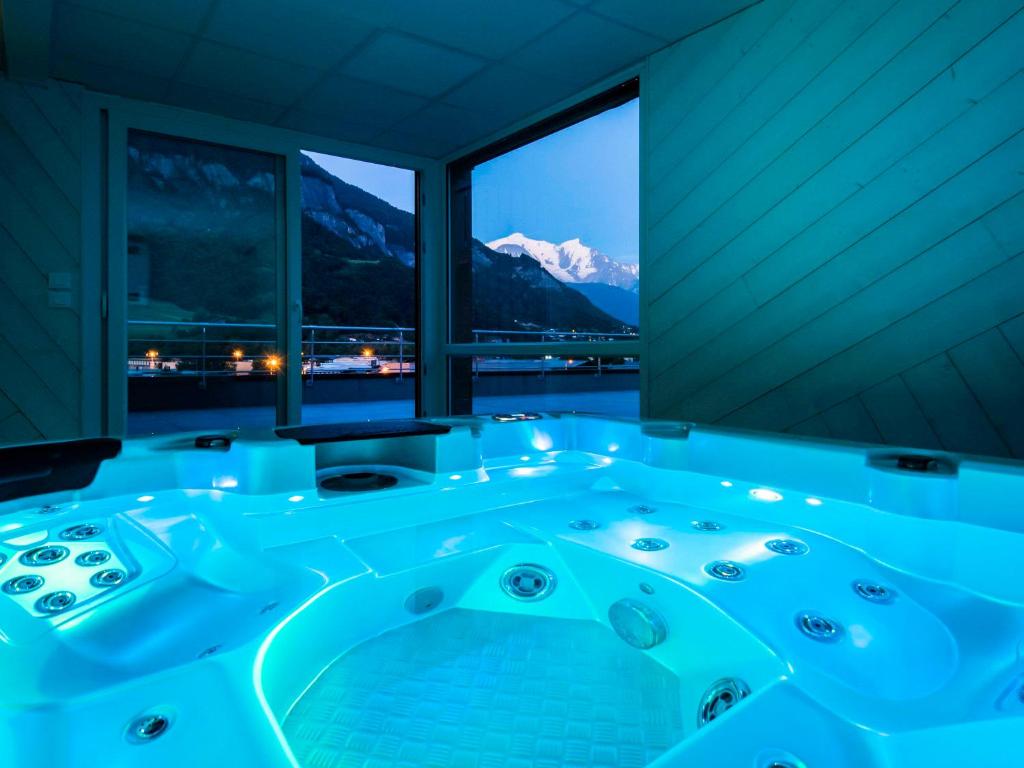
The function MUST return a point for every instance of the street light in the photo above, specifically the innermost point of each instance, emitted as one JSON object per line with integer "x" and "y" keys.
{"x": 273, "y": 363}
{"x": 237, "y": 354}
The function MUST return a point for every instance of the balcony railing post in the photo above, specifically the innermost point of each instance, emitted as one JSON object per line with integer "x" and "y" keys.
{"x": 401, "y": 355}
{"x": 312, "y": 356}
{"x": 202, "y": 362}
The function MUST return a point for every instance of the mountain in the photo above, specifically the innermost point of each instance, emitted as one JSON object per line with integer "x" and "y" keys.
{"x": 354, "y": 215}
{"x": 571, "y": 261}
{"x": 519, "y": 294}
{"x": 619, "y": 303}
{"x": 203, "y": 245}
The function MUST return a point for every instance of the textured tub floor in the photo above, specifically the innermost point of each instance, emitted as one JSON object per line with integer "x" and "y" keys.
{"x": 473, "y": 688}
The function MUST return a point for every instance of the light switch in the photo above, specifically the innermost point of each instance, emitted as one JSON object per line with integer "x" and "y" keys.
{"x": 60, "y": 298}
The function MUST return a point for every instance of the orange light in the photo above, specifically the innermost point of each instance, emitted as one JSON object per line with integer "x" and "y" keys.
{"x": 237, "y": 354}
{"x": 152, "y": 354}
{"x": 367, "y": 351}
{"x": 273, "y": 362}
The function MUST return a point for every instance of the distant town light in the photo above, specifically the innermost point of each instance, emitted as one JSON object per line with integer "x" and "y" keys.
{"x": 367, "y": 351}
{"x": 152, "y": 354}
{"x": 237, "y": 354}
{"x": 273, "y": 362}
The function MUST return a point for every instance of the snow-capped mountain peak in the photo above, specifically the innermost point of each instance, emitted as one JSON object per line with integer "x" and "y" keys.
{"x": 572, "y": 261}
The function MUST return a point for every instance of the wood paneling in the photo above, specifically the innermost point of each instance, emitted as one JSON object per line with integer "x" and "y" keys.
{"x": 835, "y": 223}
{"x": 40, "y": 233}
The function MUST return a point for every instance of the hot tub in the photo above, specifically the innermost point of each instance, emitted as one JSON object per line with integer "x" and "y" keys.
{"x": 524, "y": 591}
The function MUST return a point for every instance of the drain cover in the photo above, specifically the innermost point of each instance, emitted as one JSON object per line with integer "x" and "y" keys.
{"x": 722, "y": 696}
{"x": 22, "y": 584}
{"x": 48, "y": 555}
{"x": 358, "y": 481}
{"x": 55, "y": 602}
{"x": 726, "y": 570}
{"x": 875, "y": 593}
{"x": 787, "y": 547}
{"x": 638, "y": 624}
{"x": 819, "y": 628}
{"x": 649, "y": 545}
{"x": 706, "y": 525}
{"x": 424, "y": 600}
{"x": 584, "y": 525}
{"x": 528, "y": 582}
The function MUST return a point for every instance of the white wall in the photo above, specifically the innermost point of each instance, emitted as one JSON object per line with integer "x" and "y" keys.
{"x": 835, "y": 223}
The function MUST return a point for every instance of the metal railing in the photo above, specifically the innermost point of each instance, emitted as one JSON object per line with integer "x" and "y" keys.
{"x": 390, "y": 345}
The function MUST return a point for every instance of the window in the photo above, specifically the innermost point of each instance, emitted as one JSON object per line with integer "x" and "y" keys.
{"x": 358, "y": 290}
{"x": 545, "y": 275}
{"x": 204, "y": 246}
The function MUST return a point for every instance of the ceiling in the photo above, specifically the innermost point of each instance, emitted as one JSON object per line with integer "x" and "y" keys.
{"x": 426, "y": 77}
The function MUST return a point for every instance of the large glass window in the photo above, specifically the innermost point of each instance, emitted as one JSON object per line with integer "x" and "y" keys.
{"x": 358, "y": 290}
{"x": 203, "y": 227}
{"x": 545, "y": 252}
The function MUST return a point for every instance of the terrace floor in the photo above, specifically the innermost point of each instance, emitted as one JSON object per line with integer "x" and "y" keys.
{"x": 612, "y": 403}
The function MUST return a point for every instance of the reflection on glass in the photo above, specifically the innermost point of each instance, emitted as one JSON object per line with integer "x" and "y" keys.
{"x": 513, "y": 384}
{"x": 358, "y": 290}
{"x": 202, "y": 287}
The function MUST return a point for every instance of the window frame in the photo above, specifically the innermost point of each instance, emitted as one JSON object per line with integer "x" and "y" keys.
{"x": 458, "y": 175}
{"x": 104, "y": 258}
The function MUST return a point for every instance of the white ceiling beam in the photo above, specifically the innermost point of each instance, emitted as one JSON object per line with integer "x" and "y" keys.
{"x": 26, "y": 33}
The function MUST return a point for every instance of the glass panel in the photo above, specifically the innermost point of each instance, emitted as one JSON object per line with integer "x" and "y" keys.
{"x": 358, "y": 290}
{"x": 511, "y": 384}
{"x": 202, "y": 284}
{"x": 546, "y": 237}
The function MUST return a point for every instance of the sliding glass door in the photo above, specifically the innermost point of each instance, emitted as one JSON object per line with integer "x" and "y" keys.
{"x": 204, "y": 249}
{"x": 240, "y": 303}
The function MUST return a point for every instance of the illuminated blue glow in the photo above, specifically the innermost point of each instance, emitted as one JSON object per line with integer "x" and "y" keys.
{"x": 726, "y": 484}
{"x": 296, "y": 498}
{"x": 145, "y": 499}
{"x": 764, "y": 494}
{"x": 813, "y": 501}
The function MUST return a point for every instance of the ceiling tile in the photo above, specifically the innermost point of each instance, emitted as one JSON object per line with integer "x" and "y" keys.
{"x": 122, "y": 82}
{"x": 100, "y": 38}
{"x": 221, "y": 103}
{"x": 329, "y": 126}
{"x": 423, "y": 146}
{"x": 493, "y": 29}
{"x": 460, "y": 125}
{"x": 309, "y": 32}
{"x": 512, "y": 93}
{"x": 587, "y": 47}
{"x": 179, "y": 15}
{"x": 669, "y": 21}
{"x": 246, "y": 74}
{"x": 411, "y": 65}
{"x": 360, "y": 102}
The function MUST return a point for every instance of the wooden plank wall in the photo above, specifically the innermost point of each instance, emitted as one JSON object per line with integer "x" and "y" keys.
{"x": 835, "y": 223}
{"x": 40, "y": 233}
